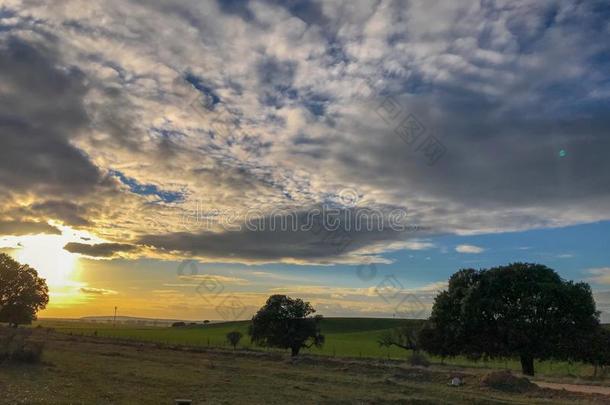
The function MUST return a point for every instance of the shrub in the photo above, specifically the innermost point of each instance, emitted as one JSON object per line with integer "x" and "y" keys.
{"x": 18, "y": 346}
{"x": 29, "y": 352}
{"x": 233, "y": 338}
{"x": 506, "y": 381}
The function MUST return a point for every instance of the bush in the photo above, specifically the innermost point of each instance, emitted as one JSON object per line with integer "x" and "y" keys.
{"x": 29, "y": 352}
{"x": 506, "y": 381}
{"x": 233, "y": 338}
{"x": 418, "y": 359}
{"x": 18, "y": 346}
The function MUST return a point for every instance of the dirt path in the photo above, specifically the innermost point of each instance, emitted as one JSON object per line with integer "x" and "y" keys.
{"x": 588, "y": 389}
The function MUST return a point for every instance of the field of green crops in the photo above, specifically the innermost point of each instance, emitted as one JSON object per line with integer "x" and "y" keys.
{"x": 345, "y": 337}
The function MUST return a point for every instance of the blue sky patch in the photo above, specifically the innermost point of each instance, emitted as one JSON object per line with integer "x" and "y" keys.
{"x": 148, "y": 189}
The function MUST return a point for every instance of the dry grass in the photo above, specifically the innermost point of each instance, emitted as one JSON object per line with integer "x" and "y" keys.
{"x": 77, "y": 369}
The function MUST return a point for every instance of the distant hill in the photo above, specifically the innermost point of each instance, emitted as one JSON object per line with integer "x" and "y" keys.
{"x": 330, "y": 324}
{"x": 128, "y": 320}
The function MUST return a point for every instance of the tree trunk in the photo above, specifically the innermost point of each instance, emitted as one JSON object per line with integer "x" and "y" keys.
{"x": 527, "y": 364}
{"x": 294, "y": 351}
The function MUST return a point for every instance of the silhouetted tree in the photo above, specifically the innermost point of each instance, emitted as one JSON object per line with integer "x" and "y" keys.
{"x": 406, "y": 337}
{"x": 22, "y": 292}
{"x": 595, "y": 350}
{"x": 233, "y": 338}
{"x": 522, "y": 309}
{"x": 286, "y": 323}
{"x": 178, "y": 324}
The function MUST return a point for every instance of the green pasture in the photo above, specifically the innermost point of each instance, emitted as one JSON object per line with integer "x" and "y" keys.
{"x": 345, "y": 337}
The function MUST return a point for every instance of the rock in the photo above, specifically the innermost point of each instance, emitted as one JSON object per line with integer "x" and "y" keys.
{"x": 456, "y": 382}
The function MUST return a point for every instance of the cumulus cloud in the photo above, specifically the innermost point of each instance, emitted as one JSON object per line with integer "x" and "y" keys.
{"x": 97, "y": 291}
{"x": 469, "y": 249}
{"x": 600, "y": 275}
{"x": 163, "y": 108}
{"x": 18, "y": 228}
{"x": 419, "y": 245}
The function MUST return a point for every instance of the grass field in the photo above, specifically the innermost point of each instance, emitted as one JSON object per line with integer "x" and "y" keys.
{"x": 88, "y": 370}
{"x": 345, "y": 337}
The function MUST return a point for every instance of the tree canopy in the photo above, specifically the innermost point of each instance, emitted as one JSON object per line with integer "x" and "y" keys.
{"x": 22, "y": 292}
{"x": 233, "y": 338}
{"x": 524, "y": 310}
{"x": 286, "y": 323}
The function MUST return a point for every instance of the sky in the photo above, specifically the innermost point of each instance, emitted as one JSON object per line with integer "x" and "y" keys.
{"x": 187, "y": 159}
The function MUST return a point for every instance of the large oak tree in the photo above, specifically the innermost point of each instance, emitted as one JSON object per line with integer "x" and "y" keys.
{"x": 286, "y": 323}
{"x": 523, "y": 310}
{"x": 22, "y": 292}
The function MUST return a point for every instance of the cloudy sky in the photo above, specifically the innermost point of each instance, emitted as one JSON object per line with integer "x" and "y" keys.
{"x": 151, "y": 151}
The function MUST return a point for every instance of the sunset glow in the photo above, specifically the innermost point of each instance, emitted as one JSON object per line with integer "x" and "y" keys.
{"x": 192, "y": 160}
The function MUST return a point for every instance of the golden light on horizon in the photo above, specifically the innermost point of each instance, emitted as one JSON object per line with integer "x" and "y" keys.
{"x": 45, "y": 253}
{"x": 60, "y": 268}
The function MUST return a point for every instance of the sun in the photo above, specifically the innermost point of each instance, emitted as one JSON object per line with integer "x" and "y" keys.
{"x": 60, "y": 268}
{"x": 45, "y": 253}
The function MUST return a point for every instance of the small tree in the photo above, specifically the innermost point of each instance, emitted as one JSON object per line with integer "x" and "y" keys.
{"x": 233, "y": 338}
{"x": 524, "y": 310}
{"x": 286, "y": 323}
{"x": 22, "y": 292}
{"x": 406, "y": 337}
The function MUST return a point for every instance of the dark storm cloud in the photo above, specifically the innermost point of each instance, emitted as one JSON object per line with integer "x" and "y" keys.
{"x": 18, "y": 228}
{"x": 41, "y": 107}
{"x": 69, "y": 213}
{"x": 318, "y": 235}
{"x": 100, "y": 249}
{"x": 494, "y": 158}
